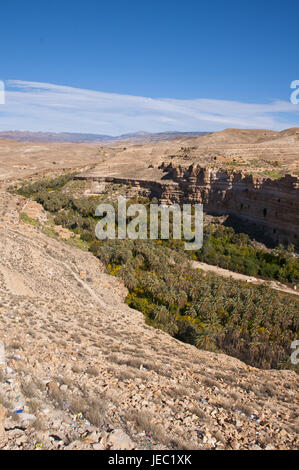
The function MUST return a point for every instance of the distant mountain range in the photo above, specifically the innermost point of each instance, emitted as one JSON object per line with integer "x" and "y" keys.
{"x": 27, "y": 136}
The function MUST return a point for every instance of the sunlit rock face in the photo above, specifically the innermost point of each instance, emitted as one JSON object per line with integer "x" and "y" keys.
{"x": 272, "y": 206}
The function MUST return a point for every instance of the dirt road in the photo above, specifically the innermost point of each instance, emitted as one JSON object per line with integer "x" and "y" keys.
{"x": 242, "y": 277}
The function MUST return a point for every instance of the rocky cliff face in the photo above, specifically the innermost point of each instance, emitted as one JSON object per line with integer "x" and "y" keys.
{"x": 271, "y": 207}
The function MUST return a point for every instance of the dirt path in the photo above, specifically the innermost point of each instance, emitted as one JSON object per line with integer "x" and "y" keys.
{"x": 242, "y": 277}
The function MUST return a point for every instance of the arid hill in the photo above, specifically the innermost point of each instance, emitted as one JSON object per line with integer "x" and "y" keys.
{"x": 45, "y": 137}
{"x": 81, "y": 370}
{"x": 263, "y": 152}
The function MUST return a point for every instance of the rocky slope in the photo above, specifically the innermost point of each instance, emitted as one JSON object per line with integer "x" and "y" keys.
{"x": 81, "y": 370}
{"x": 258, "y": 151}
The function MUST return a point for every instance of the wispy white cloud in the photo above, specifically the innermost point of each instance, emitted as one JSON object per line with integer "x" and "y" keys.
{"x": 46, "y": 107}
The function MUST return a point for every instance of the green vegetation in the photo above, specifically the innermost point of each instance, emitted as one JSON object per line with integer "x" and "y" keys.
{"x": 49, "y": 231}
{"x": 252, "y": 323}
{"x": 28, "y": 220}
{"x": 229, "y": 250}
{"x": 46, "y": 184}
{"x": 273, "y": 174}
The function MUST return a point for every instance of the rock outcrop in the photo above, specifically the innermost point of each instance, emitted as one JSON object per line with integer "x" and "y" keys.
{"x": 272, "y": 206}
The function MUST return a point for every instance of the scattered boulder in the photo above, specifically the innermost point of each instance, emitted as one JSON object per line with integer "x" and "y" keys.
{"x": 119, "y": 440}
{"x": 52, "y": 386}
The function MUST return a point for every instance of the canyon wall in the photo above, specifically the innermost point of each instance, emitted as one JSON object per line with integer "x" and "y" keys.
{"x": 269, "y": 206}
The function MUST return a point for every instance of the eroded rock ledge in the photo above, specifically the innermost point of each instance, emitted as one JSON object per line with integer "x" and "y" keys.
{"x": 272, "y": 206}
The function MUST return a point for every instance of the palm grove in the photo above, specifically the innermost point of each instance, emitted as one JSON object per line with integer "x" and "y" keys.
{"x": 253, "y": 323}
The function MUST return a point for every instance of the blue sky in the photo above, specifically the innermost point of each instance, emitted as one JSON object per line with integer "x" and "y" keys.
{"x": 125, "y": 66}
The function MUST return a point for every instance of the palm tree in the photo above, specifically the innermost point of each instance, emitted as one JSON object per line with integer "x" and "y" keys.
{"x": 162, "y": 315}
